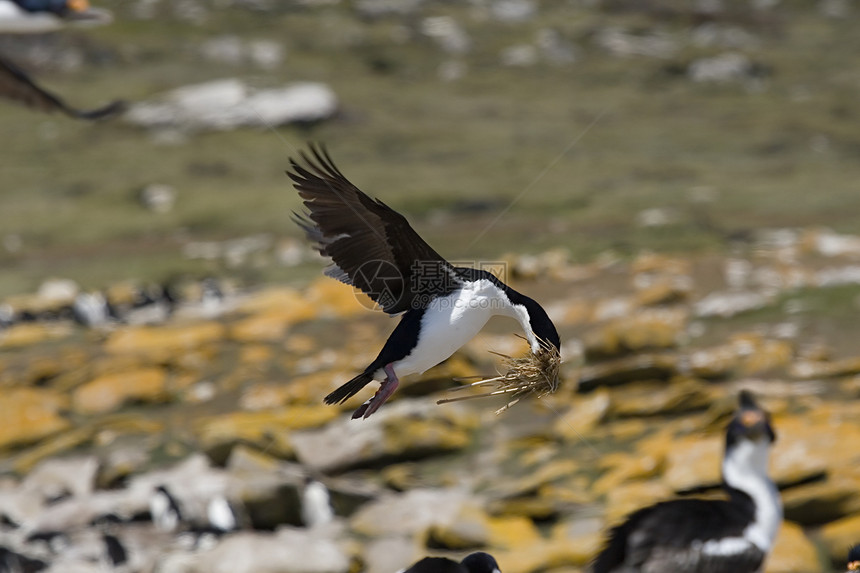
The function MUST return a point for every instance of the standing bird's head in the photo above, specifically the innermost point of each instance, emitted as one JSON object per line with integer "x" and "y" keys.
{"x": 853, "y": 559}
{"x": 750, "y": 423}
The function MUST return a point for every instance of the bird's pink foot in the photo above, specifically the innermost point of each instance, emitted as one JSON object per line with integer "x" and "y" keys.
{"x": 386, "y": 389}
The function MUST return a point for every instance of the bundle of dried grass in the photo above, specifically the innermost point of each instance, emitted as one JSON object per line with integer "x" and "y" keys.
{"x": 534, "y": 374}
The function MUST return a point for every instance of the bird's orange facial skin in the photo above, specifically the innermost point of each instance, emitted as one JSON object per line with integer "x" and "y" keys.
{"x": 78, "y": 5}
{"x": 854, "y": 566}
{"x": 749, "y": 419}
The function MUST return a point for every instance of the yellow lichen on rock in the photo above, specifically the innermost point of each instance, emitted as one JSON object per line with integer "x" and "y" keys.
{"x": 626, "y": 468}
{"x": 511, "y": 532}
{"x": 693, "y": 462}
{"x": 627, "y": 498}
{"x": 337, "y": 299}
{"x": 584, "y": 415}
{"x": 109, "y": 392}
{"x": 792, "y": 552}
{"x": 838, "y": 536}
{"x": 164, "y": 342}
{"x": 30, "y": 414}
{"x": 27, "y": 334}
{"x": 267, "y": 430}
{"x": 643, "y": 329}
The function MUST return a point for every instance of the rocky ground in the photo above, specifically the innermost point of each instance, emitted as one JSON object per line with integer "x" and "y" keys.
{"x": 216, "y": 392}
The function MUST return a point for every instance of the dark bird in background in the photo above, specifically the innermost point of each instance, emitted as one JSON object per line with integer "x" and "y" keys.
{"x": 12, "y": 562}
{"x": 373, "y": 248}
{"x": 708, "y": 536}
{"x": 15, "y": 83}
{"x": 479, "y": 562}
{"x": 115, "y": 551}
{"x": 199, "y": 531}
{"x": 17, "y": 86}
{"x": 36, "y": 16}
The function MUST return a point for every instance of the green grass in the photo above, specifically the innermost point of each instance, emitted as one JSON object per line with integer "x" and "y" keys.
{"x": 69, "y": 189}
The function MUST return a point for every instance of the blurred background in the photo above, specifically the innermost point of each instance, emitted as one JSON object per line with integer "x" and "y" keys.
{"x": 676, "y": 181}
{"x": 675, "y": 126}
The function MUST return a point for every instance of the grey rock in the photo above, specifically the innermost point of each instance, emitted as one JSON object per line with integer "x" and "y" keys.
{"x": 266, "y": 54}
{"x": 657, "y": 217}
{"x": 235, "y": 51}
{"x": 717, "y": 35}
{"x": 230, "y": 104}
{"x": 726, "y": 304}
{"x": 19, "y": 505}
{"x": 78, "y": 512}
{"x": 623, "y": 43}
{"x": 513, "y": 10}
{"x": 58, "y": 291}
{"x": 224, "y": 50}
{"x": 554, "y": 48}
{"x": 521, "y": 56}
{"x": 411, "y": 513}
{"x": 158, "y": 197}
{"x": 381, "y": 8}
{"x": 57, "y": 477}
{"x": 836, "y": 9}
{"x": 301, "y": 102}
{"x": 836, "y": 276}
{"x": 343, "y": 443}
{"x": 447, "y": 33}
{"x": 394, "y": 553}
{"x": 287, "y": 551}
{"x": 831, "y": 244}
{"x": 192, "y": 11}
{"x": 728, "y": 67}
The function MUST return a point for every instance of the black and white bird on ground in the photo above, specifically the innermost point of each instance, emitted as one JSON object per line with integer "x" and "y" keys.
{"x": 478, "y": 562}
{"x": 704, "y": 535}
{"x": 316, "y": 504}
{"x": 167, "y": 513}
{"x": 373, "y": 248}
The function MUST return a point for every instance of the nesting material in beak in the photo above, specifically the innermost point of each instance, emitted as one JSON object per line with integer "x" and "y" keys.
{"x": 534, "y": 374}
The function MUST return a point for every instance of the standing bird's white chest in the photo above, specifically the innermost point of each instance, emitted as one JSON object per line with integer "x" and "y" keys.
{"x": 451, "y": 321}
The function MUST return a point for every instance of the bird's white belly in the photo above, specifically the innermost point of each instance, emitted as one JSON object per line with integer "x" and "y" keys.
{"x": 449, "y": 323}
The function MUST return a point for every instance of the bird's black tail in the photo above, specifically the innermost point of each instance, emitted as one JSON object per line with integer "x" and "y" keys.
{"x": 349, "y": 389}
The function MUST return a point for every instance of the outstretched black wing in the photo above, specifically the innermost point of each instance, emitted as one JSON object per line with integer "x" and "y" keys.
{"x": 17, "y": 85}
{"x": 371, "y": 245}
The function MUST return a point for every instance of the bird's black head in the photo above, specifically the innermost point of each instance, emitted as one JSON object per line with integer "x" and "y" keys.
{"x": 853, "y": 559}
{"x": 749, "y": 423}
{"x": 480, "y": 562}
{"x": 541, "y": 324}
